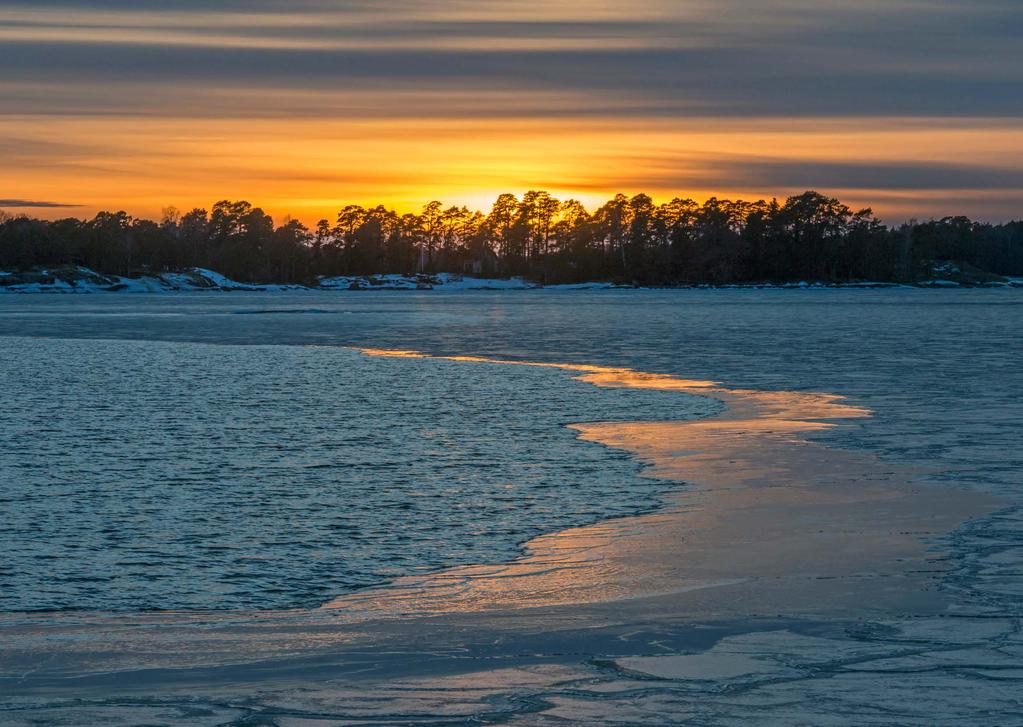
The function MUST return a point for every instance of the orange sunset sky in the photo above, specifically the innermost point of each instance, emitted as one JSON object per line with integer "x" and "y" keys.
{"x": 912, "y": 107}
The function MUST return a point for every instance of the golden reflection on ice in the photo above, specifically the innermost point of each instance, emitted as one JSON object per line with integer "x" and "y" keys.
{"x": 770, "y": 523}
{"x": 776, "y": 519}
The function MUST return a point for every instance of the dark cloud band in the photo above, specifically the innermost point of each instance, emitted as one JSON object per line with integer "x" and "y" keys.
{"x": 941, "y": 58}
{"x": 30, "y": 204}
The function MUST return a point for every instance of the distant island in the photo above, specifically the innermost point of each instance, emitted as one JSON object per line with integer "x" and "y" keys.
{"x": 809, "y": 239}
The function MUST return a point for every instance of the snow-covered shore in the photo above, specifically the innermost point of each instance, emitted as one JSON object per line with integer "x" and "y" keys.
{"x": 84, "y": 280}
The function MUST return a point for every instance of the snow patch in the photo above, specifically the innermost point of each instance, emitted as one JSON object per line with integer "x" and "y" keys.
{"x": 440, "y": 281}
{"x": 83, "y": 280}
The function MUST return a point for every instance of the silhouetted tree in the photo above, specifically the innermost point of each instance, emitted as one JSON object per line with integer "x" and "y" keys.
{"x": 808, "y": 237}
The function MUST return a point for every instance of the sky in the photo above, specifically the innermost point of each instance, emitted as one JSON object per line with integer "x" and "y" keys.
{"x": 913, "y": 107}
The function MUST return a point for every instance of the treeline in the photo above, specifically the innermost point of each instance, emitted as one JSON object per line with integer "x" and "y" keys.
{"x": 628, "y": 239}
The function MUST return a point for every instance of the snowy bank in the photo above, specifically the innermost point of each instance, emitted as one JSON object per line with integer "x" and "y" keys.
{"x": 83, "y": 280}
{"x": 440, "y": 281}
{"x": 71, "y": 279}
{"x": 74, "y": 279}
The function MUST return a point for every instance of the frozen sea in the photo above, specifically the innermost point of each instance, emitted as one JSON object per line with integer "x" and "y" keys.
{"x": 235, "y": 451}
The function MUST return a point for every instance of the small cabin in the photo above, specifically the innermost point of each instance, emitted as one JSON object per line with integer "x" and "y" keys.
{"x": 483, "y": 264}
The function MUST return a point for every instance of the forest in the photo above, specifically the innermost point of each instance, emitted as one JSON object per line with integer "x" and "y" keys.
{"x": 629, "y": 240}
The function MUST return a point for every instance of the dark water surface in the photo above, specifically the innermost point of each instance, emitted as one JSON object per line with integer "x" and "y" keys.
{"x": 147, "y": 475}
{"x": 142, "y": 467}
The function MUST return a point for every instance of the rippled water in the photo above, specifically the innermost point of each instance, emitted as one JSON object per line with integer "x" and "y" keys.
{"x": 155, "y": 475}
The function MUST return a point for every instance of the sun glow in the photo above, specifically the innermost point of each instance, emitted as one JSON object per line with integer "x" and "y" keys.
{"x": 310, "y": 168}
{"x": 306, "y": 106}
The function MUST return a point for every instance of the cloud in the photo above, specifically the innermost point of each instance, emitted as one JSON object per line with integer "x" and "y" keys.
{"x": 694, "y": 83}
{"x": 867, "y": 175}
{"x": 136, "y": 100}
{"x": 941, "y": 58}
{"x": 26, "y": 204}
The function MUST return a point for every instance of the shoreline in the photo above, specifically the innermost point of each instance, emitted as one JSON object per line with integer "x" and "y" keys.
{"x": 199, "y": 280}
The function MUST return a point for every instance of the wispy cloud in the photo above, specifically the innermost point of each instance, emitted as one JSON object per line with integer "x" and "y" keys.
{"x": 27, "y": 204}
{"x": 731, "y": 58}
{"x": 384, "y": 87}
{"x": 736, "y": 171}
